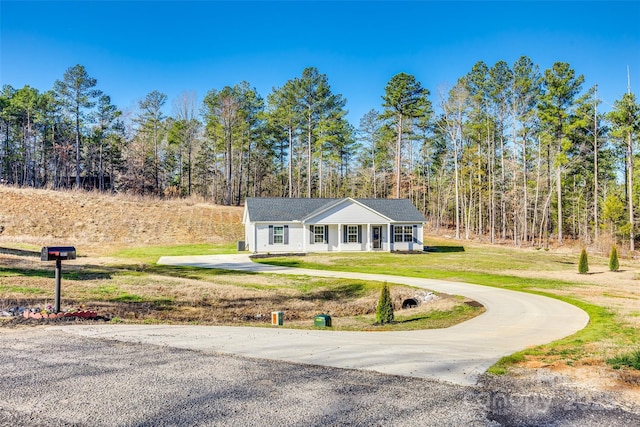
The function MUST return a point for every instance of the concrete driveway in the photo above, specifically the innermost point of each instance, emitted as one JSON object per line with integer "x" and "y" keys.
{"x": 513, "y": 321}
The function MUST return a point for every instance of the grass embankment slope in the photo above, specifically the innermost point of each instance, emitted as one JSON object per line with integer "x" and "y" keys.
{"x": 120, "y": 238}
{"x": 100, "y": 223}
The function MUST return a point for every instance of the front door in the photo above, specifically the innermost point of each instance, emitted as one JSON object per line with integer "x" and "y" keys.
{"x": 376, "y": 237}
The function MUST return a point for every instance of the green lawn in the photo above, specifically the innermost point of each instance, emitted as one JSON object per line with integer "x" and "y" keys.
{"x": 499, "y": 267}
{"x": 151, "y": 254}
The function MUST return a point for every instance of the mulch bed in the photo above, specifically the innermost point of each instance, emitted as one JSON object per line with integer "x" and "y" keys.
{"x": 85, "y": 314}
{"x": 277, "y": 255}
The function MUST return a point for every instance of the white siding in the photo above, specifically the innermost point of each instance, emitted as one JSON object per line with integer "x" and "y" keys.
{"x": 347, "y": 212}
{"x": 335, "y": 244}
{"x": 249, "y": 236}
{"x": 295, "y": 239}
{"x": 297, "y": 233}
{"x": 410, "y": 246}
{"x": 331, "y": 245}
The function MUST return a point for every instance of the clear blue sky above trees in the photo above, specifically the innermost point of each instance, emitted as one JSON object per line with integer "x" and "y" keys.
{"x": 133, "y": 48}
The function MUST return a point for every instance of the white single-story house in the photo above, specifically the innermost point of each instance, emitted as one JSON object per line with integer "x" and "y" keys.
{"x": 331, "y": 225}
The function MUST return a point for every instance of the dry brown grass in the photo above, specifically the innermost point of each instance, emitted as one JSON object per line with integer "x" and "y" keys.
{"x": 137, "y": 293}
{"x": 101, "y": 222}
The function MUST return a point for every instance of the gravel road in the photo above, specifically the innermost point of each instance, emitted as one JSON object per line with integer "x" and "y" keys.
{"x": 50, "y": 378}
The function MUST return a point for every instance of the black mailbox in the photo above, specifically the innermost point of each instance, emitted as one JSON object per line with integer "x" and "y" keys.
{"x": 54, "y": 253}
{"x": 58, "y": 254}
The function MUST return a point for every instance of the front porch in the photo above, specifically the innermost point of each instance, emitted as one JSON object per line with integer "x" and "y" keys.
{"x": 361, "y": 237}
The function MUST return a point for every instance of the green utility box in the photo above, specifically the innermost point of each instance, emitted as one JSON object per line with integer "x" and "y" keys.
{"x": 322, "y": 321}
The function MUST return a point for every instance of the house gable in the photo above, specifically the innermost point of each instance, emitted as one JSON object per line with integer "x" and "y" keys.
{"x": 346, "y": 211}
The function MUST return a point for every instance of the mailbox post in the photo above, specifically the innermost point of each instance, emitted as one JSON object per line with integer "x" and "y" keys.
{"x": 57, "y": 254}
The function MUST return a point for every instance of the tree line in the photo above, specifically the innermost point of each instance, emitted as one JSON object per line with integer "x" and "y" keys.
{"x": 510, "y": 152}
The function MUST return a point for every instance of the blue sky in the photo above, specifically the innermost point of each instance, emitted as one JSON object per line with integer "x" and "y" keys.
{"x": 133, "y": 48}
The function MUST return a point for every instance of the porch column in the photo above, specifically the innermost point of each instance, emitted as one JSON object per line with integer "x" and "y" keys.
{"x": 390, "y": 237}
{"x": 339, "y": 237}
{"x": 369, "y": 244}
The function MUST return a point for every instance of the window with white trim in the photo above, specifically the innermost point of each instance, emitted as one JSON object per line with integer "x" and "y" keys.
{"x": 352, "y": 234}
{"x": 278, "y": 234}
{"x": 403, "y": 233}
{"x": 318, "y": 234}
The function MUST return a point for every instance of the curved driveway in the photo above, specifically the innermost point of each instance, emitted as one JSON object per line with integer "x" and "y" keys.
{"x": 513, "y": 321}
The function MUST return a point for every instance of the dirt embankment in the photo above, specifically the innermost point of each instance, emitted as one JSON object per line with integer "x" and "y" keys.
{"x": 45, "y": 217}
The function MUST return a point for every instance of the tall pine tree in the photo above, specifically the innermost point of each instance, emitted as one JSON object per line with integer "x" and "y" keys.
{"x": 77, "y": 93}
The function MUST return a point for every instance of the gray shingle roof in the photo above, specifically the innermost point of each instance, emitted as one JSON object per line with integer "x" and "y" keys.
{"x": 400, "y": 210}
{"x": 288, "y": 209}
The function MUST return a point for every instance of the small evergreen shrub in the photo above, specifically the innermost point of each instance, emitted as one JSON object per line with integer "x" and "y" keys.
{"x": 614, "y": 265}
{"x": 583, "y": 265}
{"x": 384, "y": 310}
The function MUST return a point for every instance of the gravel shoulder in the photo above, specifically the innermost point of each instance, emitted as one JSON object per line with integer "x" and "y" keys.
{"x": 50, "y": 377}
